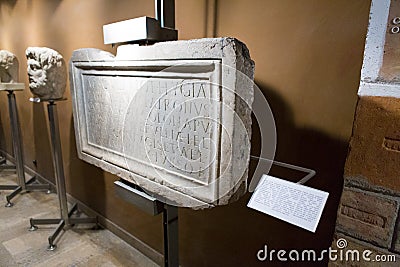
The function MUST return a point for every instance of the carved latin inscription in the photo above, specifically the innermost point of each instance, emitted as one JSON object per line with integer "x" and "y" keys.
{"x": 173, "y": 118}
{"x": 173, "y": 121}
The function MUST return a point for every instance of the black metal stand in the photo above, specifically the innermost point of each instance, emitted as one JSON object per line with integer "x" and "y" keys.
{"x": 134, "y": 195}
{"x": 5, "y": 166}
{"x": 66, "y": 218}
{"x": 164, "y": 30}
{"x": 22, "y": 185}
{"x": 171, "y": 232}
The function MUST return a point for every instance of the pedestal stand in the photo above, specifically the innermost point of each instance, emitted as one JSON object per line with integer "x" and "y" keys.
{"x": 17, "y": 146}
{"x": 5, "y": 166}
{"x": 171, "y": 242}
{"x": 66, "y": 218}
{"x": 149, "y": 31}
{"x": 134, "y": 195}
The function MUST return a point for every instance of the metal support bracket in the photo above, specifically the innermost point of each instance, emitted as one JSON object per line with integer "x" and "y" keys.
{"x": 171, "y": 233}
{"x": 144, "y": 30}
{"x": 135, "y": 195}
{"x": 267, "y": 165}
{"x": 66, "y": 218}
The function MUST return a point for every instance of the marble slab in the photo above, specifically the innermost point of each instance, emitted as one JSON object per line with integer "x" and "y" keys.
{"x": 173, "y": 117}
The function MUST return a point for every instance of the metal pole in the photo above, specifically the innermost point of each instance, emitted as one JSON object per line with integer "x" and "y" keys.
{"x": 16, "y": 139}
{"x": 165, "y": 13}
{"x": 171, "y": 241}
{"x": 57, "y": 160}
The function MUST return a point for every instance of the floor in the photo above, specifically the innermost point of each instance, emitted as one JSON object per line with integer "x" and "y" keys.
{"x": 78, "y": 246}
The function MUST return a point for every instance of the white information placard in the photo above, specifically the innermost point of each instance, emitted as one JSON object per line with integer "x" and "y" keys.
{"x": 294, "y": 203}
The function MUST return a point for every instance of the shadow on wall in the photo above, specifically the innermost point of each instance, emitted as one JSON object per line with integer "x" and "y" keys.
{"x": 10, "y": 3}
{"x": 2, "y": 134}
{"x": 5, "y": 127}
{"x": 85, "y": 180}
{"x": 232, "y": 235}
{"x": 95, "y": 188}
{"x": 42, "y": 141}
{"x": 53, "y": 4}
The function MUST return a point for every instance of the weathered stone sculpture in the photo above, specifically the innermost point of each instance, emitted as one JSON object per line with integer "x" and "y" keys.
{"x": 173, "y": 117}
{"x": 8, "y": 67}
{"x": 9, "y": 72}
{"x": 47, "y": 73}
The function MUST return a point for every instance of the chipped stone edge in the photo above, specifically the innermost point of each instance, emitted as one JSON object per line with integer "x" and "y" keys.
{"x": 226, "y": 45}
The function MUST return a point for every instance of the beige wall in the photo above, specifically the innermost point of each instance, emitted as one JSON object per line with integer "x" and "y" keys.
{"x": 308, "y": 57}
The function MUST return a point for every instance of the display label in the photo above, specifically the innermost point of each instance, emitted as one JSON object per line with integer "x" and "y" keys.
{"x": 294, "y": 203}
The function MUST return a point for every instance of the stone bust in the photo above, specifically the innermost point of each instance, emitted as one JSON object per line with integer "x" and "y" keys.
{"x": 47, "y": 73}
{"x": 8, "y": 67}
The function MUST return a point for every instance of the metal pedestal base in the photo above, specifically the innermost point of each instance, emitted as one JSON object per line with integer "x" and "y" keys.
{"x": 29, "y": 186}
{"x": 66, "y": 219}
{"x": 61, "y": 223}
{"x": 22, "y": 185}
{"x": 4, "y": 166}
